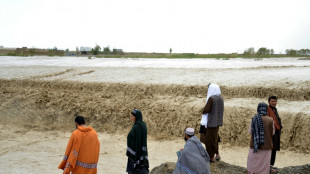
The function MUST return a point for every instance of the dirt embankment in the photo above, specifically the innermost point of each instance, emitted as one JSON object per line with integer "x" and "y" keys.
{"x": 225, "y": 168}
{"x": 167, "y": 109}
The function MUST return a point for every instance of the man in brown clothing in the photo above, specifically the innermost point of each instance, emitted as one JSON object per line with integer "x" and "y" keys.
{"x": 273, "y": 113}
{"x": 212, "y": 118}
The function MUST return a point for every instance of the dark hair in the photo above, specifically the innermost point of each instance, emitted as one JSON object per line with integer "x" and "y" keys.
{"x": 80, "y": 120}
{"x": 272, "y": 97}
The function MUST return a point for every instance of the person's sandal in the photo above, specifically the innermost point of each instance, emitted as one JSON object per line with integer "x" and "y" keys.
{"x": 218, "y": 158}
{"x": 273, "y": 169}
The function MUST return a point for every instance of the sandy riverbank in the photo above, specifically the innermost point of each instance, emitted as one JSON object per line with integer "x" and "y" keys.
{"x": 27, "y": 150}
{"x": 38, "y": 103}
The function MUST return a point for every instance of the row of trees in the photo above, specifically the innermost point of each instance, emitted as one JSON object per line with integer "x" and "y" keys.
{"x": 261, "y": 51}
{"x": 266, "y": 51}
{"x": 97, "y": 50}
{"x": 301, "y": 52}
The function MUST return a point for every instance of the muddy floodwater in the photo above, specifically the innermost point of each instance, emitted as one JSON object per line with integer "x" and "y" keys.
{"x": 231, "y": 72}
{"x": 39, "y": 97}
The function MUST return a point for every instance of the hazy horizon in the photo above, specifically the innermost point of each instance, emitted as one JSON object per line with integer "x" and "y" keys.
{"x": 156, "y": 26}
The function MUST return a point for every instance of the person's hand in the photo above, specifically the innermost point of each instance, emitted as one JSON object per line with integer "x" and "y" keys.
{"x": 178, "y": 153}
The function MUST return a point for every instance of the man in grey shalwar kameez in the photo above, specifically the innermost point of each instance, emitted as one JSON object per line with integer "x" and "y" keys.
{"x": 193, "y": 159}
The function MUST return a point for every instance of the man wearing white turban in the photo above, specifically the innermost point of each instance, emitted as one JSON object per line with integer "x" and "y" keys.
{"x": 212, "y": 118}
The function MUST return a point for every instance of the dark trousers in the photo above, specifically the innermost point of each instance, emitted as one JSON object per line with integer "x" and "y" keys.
{"x": 140, "y": 170}
{"x": 210, "y": 139}
{"x": 273, "y": 156}
{"x": 276, "y": 146}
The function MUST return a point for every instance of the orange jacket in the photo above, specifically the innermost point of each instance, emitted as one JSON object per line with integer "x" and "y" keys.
{"x": 82, "y": 153}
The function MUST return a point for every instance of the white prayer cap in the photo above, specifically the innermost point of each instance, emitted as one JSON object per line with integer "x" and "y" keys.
{"x": 190, "y": 131}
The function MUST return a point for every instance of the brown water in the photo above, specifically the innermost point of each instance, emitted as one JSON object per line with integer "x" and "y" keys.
{"x": 44, "y": 99}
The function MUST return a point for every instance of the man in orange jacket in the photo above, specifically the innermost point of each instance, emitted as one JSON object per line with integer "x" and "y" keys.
{"x": 82, "y": 153}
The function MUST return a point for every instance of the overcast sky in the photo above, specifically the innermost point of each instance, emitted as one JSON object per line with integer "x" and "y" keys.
{"x": 190, "y": 26}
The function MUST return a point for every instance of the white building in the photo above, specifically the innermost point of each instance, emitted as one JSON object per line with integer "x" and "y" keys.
{"x": 87, "y": 49}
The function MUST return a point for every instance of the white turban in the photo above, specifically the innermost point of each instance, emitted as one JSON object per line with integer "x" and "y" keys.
{"x": 213, "y": 90}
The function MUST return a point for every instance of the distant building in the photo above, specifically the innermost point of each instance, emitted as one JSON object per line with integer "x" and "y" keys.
{"x": 70, "y": 53}
{"x": 22, "y": 51}
{"x": 6, "y": 48}
{"x": 85, "y": 50}
{"x": 36, "y": 51}
{"x": 118, "y": 51}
